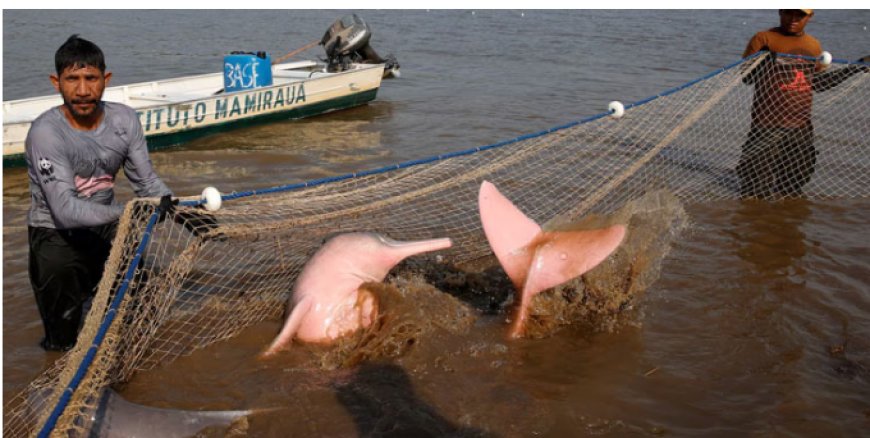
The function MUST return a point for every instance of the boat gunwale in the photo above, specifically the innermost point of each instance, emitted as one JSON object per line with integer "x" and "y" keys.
{"x": 358, "y": 68}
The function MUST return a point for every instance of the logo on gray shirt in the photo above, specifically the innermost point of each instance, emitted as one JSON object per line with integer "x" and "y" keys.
{"x": 45, "y": 166}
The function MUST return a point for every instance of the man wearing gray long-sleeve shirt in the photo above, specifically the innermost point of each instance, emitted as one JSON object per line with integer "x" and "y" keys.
{"x": 73, "y": 153}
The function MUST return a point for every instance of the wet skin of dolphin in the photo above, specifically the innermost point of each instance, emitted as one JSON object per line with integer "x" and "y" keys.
{"x": 326, "y": 301}
{"x": 534, "y": 259}
{"x": 116, "y": 417}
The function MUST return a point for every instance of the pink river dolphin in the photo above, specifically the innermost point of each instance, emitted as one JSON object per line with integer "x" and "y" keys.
{"x": 534, "y": 259}
{"x": 115, "y": 417}
{"x": 326, "y": 301}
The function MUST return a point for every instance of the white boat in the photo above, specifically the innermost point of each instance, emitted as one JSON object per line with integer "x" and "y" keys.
{"x": 174, "y": 111}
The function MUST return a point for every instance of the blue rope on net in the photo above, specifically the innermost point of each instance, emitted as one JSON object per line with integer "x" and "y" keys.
{"x": 85, "y": 364}
{"x": 417, "y": 162}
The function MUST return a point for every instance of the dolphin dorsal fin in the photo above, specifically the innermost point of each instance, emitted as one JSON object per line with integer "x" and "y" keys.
{"x": 508, "y": 231}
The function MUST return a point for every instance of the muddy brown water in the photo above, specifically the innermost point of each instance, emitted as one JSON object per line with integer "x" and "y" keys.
{"x": 756, "y": 323}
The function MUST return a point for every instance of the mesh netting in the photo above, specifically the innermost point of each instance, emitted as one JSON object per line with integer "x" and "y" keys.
{"x": 767, "y": 127}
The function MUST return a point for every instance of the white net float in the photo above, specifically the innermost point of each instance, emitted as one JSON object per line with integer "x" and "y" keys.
{"x": 826, "y": 58}
{"x": 211, "y": 199}
{"x": 616, "y": 108}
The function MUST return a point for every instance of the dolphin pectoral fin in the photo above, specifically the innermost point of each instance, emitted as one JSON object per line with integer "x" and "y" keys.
{"x": 291, "y": 326}
{"x": 562, "y": 256}
{"x": 508, "y": 231}
{"x": 366, "y": 305}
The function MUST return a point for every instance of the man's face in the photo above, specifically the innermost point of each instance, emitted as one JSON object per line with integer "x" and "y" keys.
{"x": 793, "y": 21}
{"x": 82, "y": 89}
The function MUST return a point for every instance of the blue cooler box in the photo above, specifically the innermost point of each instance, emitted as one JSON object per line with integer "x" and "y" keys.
{"x": 244, "y": 71}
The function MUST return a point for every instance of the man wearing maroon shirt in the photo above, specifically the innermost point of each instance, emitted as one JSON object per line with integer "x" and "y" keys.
{"x": 778, "y": 158}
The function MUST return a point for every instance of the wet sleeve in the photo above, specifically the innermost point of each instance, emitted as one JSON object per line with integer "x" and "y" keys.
{"x": 138, "y": 166}
{"x": 54, "y": 175}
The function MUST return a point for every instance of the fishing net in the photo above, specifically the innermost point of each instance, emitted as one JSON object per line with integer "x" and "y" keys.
{"x": 767, "y": 127}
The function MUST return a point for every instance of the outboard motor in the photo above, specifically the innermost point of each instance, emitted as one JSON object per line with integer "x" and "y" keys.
{"x": 347, "y": 42}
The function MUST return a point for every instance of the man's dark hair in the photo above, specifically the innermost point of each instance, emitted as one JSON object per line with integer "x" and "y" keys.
{"x": 80, "y": 53}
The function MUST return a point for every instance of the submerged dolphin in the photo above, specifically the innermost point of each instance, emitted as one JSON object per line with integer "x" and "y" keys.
{"x": 116, "y": 417}
{"x": 326, "y": 300}
{"x": 535, "y": 259}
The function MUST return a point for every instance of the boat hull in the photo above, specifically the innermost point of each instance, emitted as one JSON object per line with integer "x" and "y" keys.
{"x": 175, "y": 120}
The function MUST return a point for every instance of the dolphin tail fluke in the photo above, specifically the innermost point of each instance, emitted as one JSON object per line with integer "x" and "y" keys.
{"x": 508, "y": 231}
{"x": 565, "y": 255}
{"x": 290, "y": 328}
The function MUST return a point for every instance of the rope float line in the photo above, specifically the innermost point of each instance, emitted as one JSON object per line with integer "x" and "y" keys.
{"x": 59, "y": 408}
{"x": 434, "y": 158}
